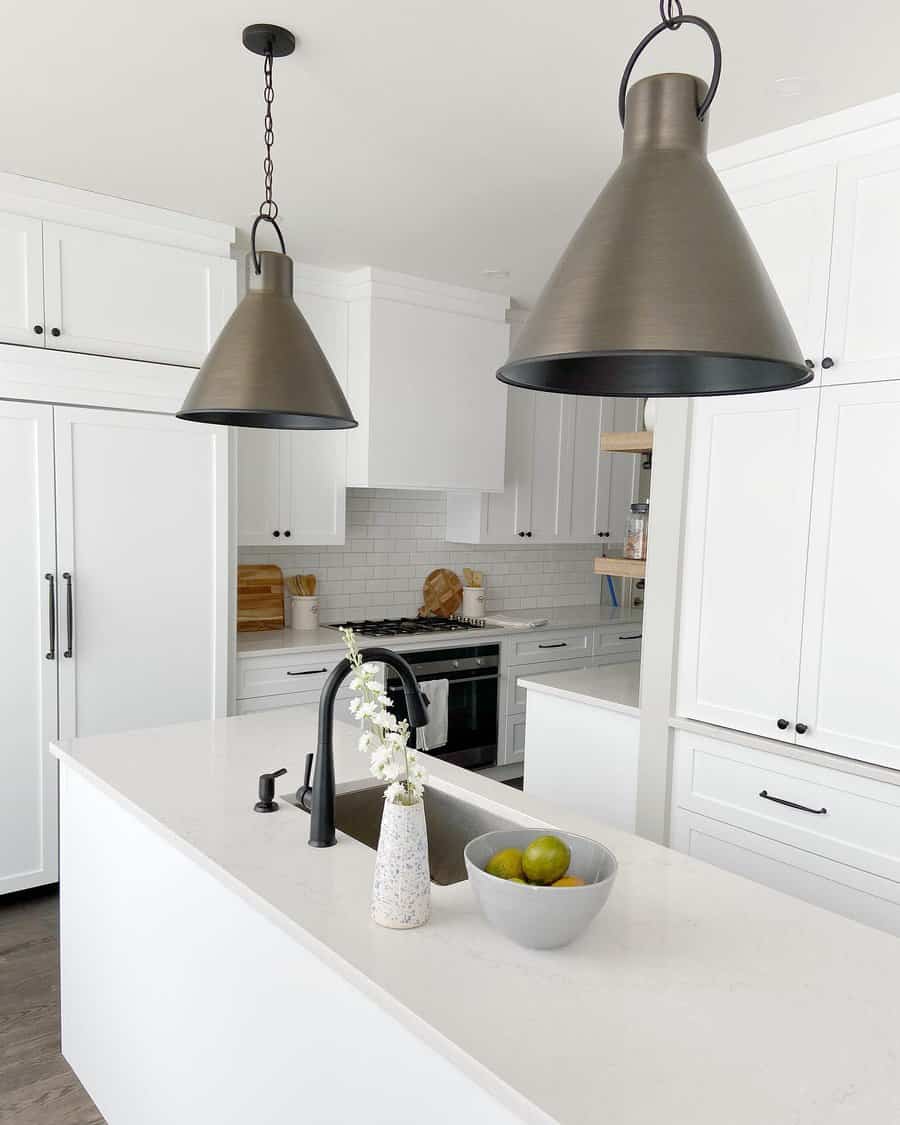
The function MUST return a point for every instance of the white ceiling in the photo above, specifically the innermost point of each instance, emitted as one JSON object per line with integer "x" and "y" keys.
{"x": 435, "y": 138}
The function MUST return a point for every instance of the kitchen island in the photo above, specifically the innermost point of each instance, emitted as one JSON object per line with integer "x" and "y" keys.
{"x": 582, "y": 740}
{"x": 215, "y": 969}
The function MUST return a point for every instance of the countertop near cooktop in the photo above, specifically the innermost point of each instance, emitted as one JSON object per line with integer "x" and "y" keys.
{"x": 283, "y": 641}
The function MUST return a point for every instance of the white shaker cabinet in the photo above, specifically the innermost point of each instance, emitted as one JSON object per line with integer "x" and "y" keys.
{"x": 112, "y": 295}
{"x": 560, "y": 488}
{"x": 746, "y": 529}
{"x": 849, "y": 701}
{"x": 861, "y": 336}
{"x": 21, "y": 280}
{"x": 292, "y": 483}
{"x": 114, "y": 601}
{"x": 790, "y": 220}
{"x": 28, "y": 648}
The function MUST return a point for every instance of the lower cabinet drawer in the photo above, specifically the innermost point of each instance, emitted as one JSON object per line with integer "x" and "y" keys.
{"x": 845, "y": 890}
{"x": 294, "y": 699}
{"x": 279, "y": 675}
{"x": 621, "y": 639}
{"x": 843, "y": 817}
{"x": 539, "y": 646}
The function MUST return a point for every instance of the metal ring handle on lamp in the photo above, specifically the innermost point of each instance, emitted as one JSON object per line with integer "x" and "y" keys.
{"x": 672, "y": 23}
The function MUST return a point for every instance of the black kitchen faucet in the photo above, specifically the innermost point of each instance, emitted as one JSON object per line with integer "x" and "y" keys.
{"x": 318, "y": 800}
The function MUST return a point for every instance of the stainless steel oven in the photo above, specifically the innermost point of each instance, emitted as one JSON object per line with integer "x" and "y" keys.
{"x": 473, "y": 673}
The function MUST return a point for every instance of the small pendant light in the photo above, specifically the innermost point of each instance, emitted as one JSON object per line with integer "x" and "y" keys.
{"x": 266, "y": 369}
{"x": 660, "y": 292}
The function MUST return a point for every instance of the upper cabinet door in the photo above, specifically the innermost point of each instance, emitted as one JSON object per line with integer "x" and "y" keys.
{"x": 314, "y": 462}
{"x": 28, "y": 649}
{"x": 625, "y": 469}
{"x": 21, "y": 281}
{"x": 746, "y": 529}
{"x": 849, "y": 697}
{"x": 260, "y": 470}
{"x": 790, "y": 222}
{"x": 591, "y": 471}
{"x": 861, "y": 333}
{"x": 110, "y": 295}
{"x": 507, "y": 514}
{"x": 551, "y": 483}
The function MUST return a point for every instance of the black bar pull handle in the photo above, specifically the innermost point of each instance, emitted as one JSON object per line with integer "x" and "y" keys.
{"x": 559, "y": 644}
{"x": 630, "y": 636}
{"x": 791, "y": 804}
{"x": 69, "y": 624}
{"x": 51, "y": 655}
{"x": 308, "y": 672}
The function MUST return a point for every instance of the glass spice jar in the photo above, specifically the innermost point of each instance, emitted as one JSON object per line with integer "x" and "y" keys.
{"x": 636, "y": 532}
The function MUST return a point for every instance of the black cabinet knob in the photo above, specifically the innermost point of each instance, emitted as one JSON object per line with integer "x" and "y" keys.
{"x": 810, "y": 363}
{"x": 801, "y": 728}
{"x": 521, "y": 534}
{"x": 783, "y": 724}
{"x": 528, "y": 533}
{"x": 827, "y": 362}
{"x": 276, "y": 533}
{"x": 39, "y": 330}
{"x": 54, "y": 332}
{"x": 287, "y": 535}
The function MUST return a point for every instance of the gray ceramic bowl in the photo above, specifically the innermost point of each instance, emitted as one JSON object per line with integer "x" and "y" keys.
{"x": 540, "y": 917}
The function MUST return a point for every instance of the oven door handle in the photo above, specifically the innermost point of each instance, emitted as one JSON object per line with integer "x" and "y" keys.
{"x": 395, "y": 685}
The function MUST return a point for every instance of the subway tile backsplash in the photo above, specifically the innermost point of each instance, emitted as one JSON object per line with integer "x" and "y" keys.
{"x": 394, "y": 538}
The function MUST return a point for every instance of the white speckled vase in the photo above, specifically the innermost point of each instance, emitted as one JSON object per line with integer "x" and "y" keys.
{"x": 401, "y": 893}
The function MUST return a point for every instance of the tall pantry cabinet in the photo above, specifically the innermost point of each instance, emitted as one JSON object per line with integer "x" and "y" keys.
{"x": 793, "y": 500}
{"x": 114, "y": 523}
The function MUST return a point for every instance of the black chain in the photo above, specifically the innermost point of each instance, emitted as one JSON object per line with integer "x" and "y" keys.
{"x": 268, "y": 209}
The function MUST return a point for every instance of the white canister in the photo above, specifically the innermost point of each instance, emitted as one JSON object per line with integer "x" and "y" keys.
{"x": 473, "y": 602}
{"x": 304, "y": 613}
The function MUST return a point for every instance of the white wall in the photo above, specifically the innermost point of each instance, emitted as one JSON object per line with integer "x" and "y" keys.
{"x": 394, "y": 538}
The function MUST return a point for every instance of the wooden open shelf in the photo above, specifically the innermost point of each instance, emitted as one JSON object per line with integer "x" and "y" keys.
{"x": 626, "y": 443}
{"x": 620, "y": 568}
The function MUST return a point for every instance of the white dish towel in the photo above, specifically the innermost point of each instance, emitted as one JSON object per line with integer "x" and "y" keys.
{"x": 434, "y": 736}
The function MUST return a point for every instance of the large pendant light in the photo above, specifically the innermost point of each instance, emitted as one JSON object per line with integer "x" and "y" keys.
{"x": 660, "y": 292}
{"x": 266, "y": 368}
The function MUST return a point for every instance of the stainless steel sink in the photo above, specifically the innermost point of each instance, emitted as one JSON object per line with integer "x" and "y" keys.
{"x": 452, "y": 823}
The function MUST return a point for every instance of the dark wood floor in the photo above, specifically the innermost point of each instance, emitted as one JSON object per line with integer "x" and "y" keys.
{"x": 37, "y": 1087}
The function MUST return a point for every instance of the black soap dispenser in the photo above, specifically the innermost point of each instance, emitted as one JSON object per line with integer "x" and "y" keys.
{"x": 267, "y": 802}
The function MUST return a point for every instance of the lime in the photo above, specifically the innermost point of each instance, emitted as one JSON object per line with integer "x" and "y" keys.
{"x": 569, "y": 881}
{"x": 506, "y": 864}
{"x": 545, "y": 860}
{"x": 516, "y": 879}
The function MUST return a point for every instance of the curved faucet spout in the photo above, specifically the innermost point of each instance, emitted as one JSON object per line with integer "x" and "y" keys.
{"x": 321, "y": 803}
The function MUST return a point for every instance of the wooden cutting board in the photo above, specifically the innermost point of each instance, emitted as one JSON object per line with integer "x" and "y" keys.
{"x": 260, "y": 598}
{"x": 442, "y": 594}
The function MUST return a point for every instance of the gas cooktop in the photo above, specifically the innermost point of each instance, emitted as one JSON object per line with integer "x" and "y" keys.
{"x": 406, "y": 626}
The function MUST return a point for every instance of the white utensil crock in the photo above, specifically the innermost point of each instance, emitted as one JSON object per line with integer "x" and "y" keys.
{"x": 473, "y": 602}
{"x": 401, "y": 892}
{"x": 304, "y": 613}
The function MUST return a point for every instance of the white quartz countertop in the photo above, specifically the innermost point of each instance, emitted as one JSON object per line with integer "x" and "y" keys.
{"x": 695, "y": 996}
{"x": 614, "y": 687}
{"x": 291, "y": 641}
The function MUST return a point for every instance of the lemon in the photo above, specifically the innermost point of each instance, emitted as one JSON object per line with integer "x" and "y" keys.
{"x": 545, "y": 860}
{"x": 506, "y": 864}
{"x": 516, "y": 879}
{"x": 569, "y": 881}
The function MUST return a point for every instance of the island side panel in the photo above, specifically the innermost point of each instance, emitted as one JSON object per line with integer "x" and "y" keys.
{"x": 583, "y": 757}
{"x": 181, "y": 1003}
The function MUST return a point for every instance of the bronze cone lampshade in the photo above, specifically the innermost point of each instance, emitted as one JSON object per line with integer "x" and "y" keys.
{"x": 266, "y": 369}
{"x": 660, "y": 292}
